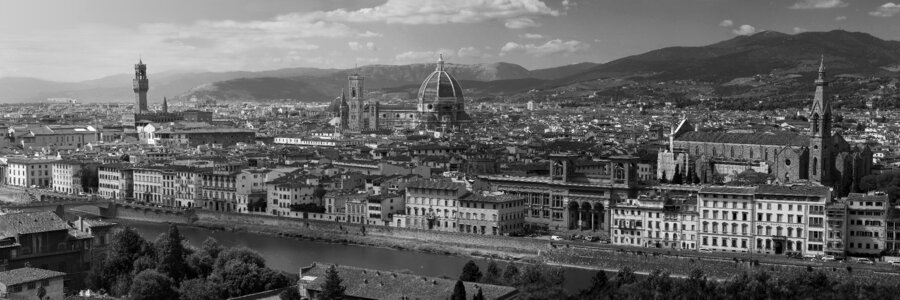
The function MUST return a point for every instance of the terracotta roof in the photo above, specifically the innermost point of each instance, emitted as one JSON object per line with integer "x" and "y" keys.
{"x": 490, "y": 198}
{"x": 23, "y": 275}
{"x": 795, "y": 190}
{"x": 767, "y": 138}
{"x": 33, "y": 222}
{"x": 728, "y": 190}
{"x": 436, "y": 185}
{"x": 376, "y": 284}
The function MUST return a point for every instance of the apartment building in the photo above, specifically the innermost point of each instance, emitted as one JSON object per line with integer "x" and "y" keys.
{"x": 148, "y": 184}
{"x": 726, "y": 218}
{"x": 433, "y": 204}
{"x": 866, "y": 218}
{"x": 637, "y": 222}
{"x": 116, "y": 181}
{"x": 288, "y": 190}
{"x": 790, "y": 219}
{"x": 491, "y": 214}
{"x": 28, "y": 172}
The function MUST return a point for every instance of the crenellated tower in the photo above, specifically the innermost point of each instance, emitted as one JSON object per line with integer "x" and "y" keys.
{"x": 141, "y": 86}
{"x": 820, "y": 132}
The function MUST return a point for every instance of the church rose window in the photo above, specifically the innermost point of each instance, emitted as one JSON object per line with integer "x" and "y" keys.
{"x": 787, "y": 162}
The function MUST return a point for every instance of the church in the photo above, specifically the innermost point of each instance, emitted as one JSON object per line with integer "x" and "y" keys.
{"x": 439, "y": 106}
{"x": 818, "y": 157}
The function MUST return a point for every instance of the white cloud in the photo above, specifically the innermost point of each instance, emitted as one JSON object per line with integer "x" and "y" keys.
{"x": 471, "y": 52}
{"x": 357, "y": 46}
{"x": 531, "y": 36}
{"x": 519, "y": 23}
{"x": 726, "y": 23}
{"x": 369, "y": 34}
{"x": 799, "y": 30}
{"x": 840, "y": 18}
{"x": 415, "y": 12}
{"x": 886, "y": 10}
{"x": 556, "y": 46}
{"x": 744, "y": 30}
{"x": 818, "y": 4}
{"x": 424, "y": 56}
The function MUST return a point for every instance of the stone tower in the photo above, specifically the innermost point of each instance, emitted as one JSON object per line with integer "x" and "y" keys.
{"x": 820, "y": 132}
{"x": 357, "y": 103}
{"x": 343, "y": 111}
{"x": 165, "y": 106}
{"x": 141, "y": 86}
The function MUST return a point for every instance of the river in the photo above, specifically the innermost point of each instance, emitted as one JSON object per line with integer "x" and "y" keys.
{"x": 289, "y": 255}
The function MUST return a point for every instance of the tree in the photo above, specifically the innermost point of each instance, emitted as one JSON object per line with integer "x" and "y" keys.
{"x": 598, "y": 288}
{"x": 625, "y": 276}
{"x": 290, "y": 293}
{"x": 478, "y": 295}
{"x": 240, "y": 278}
{"x": 492, "y": 276}
{"x": 470, "y": 272}
{"x": 151, "y": 285}
{"x": 171, "y": 256}
{"x": 459, "y": 291}
{"x": 332, "y": 288}
{"x": 510, "y": 274}
{"x": 200, "y": 289}
{"x": 239, "y": 254}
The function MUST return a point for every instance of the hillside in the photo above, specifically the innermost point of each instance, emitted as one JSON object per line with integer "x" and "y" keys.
{"x": 255, "y": 89}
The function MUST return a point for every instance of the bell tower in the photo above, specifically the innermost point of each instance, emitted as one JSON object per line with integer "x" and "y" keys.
{"x": 820, "y": 131}
{"x": 141, "y": 86}
{"x": 357, "y": 101}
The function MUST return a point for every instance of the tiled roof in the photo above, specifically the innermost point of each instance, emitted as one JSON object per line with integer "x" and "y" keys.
{"x": 23, "y": 275}
{"x": 778, "y": 139}
{"x": 33, "y": 222}
{"x": 728, "y": 190}
{"x": 794, "y": 190}
{"x": 864, "y": 197}
{"x": 489, "y": 198}
{"x": 376, "y": 284}
{"x": 437, "y": 185}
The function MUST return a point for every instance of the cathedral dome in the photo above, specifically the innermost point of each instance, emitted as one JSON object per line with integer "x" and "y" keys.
{"x": 440, "y": 86}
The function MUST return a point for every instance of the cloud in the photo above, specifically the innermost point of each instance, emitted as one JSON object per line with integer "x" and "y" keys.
{"x": 369, "y": 34}
{"x": 886, "y": 10}
{"x": 744, "y": 30}
{"x": 471, "y": 52}
{"x": 556, "y": 46}
{"x": 726, "y": 23}
{"x": 818, "y": 4}
{"x": 416, "y": 12}
{"x": 799, "y": 30}
{"x": 357, "y": 46}
{"x": 531, "y": 36}
{"x": 840, "y": 18}
{"x": 424, "y": 56}
{"x": 519, "y": 23}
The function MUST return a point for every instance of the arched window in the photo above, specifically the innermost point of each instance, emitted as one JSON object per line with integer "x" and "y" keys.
{"x": 815, "y": 165}
{"x": 732, "y": 151}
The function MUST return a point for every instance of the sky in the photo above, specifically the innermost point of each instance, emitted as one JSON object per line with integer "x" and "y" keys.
{"x": 68, "y": 40}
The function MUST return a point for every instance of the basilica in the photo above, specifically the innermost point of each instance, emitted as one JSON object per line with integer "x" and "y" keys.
{"x": 818, "y": 157}
{"x": 439, "y": 106}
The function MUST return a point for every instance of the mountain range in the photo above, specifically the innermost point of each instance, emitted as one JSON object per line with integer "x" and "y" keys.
{"x": 766, "y": 52}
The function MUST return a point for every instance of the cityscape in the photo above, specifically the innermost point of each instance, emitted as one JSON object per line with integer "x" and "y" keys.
{"x": 399, "y": 149}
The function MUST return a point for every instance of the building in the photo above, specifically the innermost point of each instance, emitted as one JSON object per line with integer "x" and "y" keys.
{"x": 636, "y": 222}
{"x": 29, "y": 172}
{"x": 818, "y": 156}
{"x": 251, "y": 190}
{"x": 572, "y": 198}
{"x": 288, "y": 190}
{"x": 866, "y": 221}
{"x": 791, "y": 219}
{"x": 32, "y": 283}
{"x": 836, "y": 229}
{"x": 379, "y": 284}
{"x": 53, "y": 137}
{"x": 440, "y": 105}
{"x": 726, "y": 218}
{"x": 148, "y": 182}
{"x": 141, "y": 85}
{"x": 71, "y": 177}
{"x": 380, "y": 208}
{"x": 433, "y": 204}
{"x": 116, "y": 181}
{"x": 218, "y": 191}
{"x": 492, "y": 214}
{"x": 45, "y": 241}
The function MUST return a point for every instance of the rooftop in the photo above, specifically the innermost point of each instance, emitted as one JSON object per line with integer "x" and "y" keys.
{"x": 32, "y": 222}
{"x": 436, "y": 185}
{"x": 760, "y": 138}
{"x": 23, "y": 275}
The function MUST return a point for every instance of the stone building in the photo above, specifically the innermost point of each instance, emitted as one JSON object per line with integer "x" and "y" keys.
{"x": 440, "y": 105}
{"x": 819, "y": 156}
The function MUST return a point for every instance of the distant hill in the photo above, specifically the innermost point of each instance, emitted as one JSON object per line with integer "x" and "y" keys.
{"x": 762, "y": 53}
{"x": 255, "y": 89}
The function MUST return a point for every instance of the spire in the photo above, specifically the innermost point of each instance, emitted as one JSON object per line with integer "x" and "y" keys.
{"x": 343, "y": 98}
{"x": 440, "y": 64}
{"x": 822, "y": 68}
{"x": 165, "y": 105}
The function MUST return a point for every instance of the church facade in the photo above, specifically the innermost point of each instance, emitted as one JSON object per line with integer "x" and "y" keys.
{"x": 818, "y": 157}
{"x": 439, "y": 105}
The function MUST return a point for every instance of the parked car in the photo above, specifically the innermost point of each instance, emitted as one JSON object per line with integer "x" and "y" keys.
{"x": 706, "y": 250}
{"x": 864, "y": 261}
{"x": 591, "y": 238}
{"x": 555, "y": 238}
{"x": 829, "y": 258}
{"x": 895, "y": 263}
